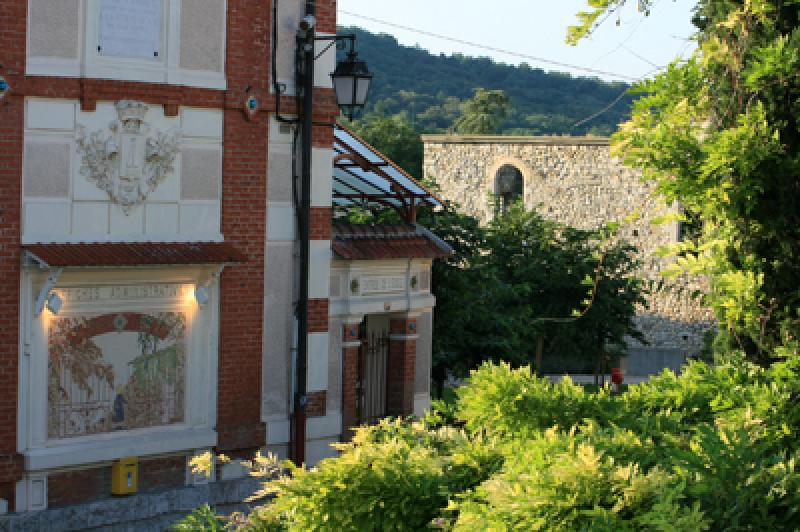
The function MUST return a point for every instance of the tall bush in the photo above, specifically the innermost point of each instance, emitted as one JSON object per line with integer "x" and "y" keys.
{"x": 714, "y": 448}
{"x": 393, "y": 476}
{"x": 719, "y": 134}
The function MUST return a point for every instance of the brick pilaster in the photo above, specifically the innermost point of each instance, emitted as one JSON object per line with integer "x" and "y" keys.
{"x": 326, "y": 16}
{"x": 318, "y": 315}
{"x": 320, "y": 227}
{"x": 401, "y": 367}
{"x": 244, "y": 197}
{"x": 317, "y": 405}
{"x": 351, "y": 344}
{"x": 13, "y": 18}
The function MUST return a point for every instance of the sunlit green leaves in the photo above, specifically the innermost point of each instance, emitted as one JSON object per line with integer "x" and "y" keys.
{"x": 719, "y": 134}
{"x": 599, "y": 11}
{"x": 714, "y": 448}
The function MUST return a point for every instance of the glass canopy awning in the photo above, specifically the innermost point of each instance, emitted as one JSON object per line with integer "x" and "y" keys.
{"x": 363, "y": 177}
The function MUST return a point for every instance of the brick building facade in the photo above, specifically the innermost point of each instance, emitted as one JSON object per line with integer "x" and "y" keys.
{"x": 67, "y": 71}
{"x": 148, "y": 248}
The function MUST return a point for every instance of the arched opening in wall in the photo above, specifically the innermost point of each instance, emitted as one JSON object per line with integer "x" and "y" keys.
{"x": 508, "y": 186}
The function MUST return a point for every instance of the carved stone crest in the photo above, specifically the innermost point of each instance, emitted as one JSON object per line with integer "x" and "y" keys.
{"x": 128, "y": 164}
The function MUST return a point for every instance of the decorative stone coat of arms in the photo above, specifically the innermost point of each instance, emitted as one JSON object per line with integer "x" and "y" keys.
{"x": 128, "y": 164}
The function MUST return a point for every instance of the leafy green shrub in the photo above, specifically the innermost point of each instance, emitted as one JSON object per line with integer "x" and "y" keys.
{"x": 393, "y": 476}
{"x": 443, "y": 411}
{"x": 515, "y": 402}
{"x": 670, "y": 405}
{"x": 202, "y": 518}
{"x": 383, "y": 486}
{"x": 714, "y": 448}
{"x": 739, "y": 479}
{"x": 556, "y": 483}
{"x": 718, "y": 443}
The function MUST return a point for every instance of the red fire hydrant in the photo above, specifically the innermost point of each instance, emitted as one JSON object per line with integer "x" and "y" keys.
{"x": 617, "y": 378}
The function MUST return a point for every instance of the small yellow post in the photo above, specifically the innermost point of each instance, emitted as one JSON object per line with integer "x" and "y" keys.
{"x": 125, "y": 476}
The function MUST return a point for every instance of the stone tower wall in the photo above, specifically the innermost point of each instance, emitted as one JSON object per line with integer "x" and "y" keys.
{"x": 576, "y": 181}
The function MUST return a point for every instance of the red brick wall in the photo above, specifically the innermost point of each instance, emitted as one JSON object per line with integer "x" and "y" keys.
{"x": 325, "y": 112}
{"x": 403, "y": 326}
{"x": 89, "y": 91}
{"x": 75, "y": 487}
{"x": 318, "y": 315}
{"x": 317, "y": 403}
{"x": 326, "y": 16}
{"x": 349, "y": 380}
{"x": 320, "y": 226}
{"x": 401, "y": 367}
{"x": 13, "y": 15}
{"x": 162, "y": 473}
{"x": 244, "y": 194}
{"x": 86, "y": 485}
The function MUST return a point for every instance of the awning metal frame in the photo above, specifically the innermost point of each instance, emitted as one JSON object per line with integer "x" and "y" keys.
{"x": 400, "y": 192}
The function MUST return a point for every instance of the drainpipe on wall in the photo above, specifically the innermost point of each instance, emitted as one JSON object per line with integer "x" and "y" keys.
{"x": 305, "y": 59}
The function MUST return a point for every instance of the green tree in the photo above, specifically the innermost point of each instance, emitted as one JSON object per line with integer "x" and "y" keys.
{"x": 575, "y": 291}
{"x": 719, "y": 133}
{"x": 484, "y": 113}
{"x": 515, "y": 283}
{"x": 440, "y": 116}
{"x": 472, "y": 318}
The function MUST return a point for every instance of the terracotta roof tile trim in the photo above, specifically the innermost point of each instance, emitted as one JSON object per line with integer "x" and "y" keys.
{"x": 375, "y": 242}
{"x": 134, "y": 253}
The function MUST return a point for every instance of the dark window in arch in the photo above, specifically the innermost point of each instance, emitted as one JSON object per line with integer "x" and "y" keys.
{"x": 508, "y": 185}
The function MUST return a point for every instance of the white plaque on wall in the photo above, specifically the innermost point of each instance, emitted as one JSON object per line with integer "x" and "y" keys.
{"x": 130, "y": 28}
{"x": 382, "y": 284}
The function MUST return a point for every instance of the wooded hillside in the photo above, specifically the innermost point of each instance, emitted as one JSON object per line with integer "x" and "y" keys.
{"x": 429, "y": 89}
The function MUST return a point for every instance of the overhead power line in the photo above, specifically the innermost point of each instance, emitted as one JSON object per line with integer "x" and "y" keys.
{"x": 641, "y": 58}
{"x": 623, "y": 93}
{"x": 534, "y": 58}
{"x": 492, "y": 48}
{"x": 619, "y": 45}
{"x": 601, "y": 111}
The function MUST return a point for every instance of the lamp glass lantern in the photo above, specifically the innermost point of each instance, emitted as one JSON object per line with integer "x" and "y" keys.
{"x": 351, "y": 83}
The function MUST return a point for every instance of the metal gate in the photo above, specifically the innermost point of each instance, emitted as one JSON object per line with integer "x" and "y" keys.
{"x": 371, "y": 385}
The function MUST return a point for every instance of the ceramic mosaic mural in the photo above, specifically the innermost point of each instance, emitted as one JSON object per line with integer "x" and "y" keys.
{"x": 115, "y": 371}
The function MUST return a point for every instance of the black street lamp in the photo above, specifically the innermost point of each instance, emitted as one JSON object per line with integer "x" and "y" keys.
{"x": 351, "y": 82}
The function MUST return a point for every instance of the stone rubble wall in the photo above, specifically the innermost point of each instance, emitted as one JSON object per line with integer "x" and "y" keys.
{"x": 576, "y": 181}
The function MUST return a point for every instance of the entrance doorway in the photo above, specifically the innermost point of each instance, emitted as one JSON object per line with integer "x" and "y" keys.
{"x": 372, "y": 361}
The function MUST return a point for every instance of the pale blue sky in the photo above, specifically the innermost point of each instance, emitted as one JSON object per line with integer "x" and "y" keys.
{"x": 535, "y": 28}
